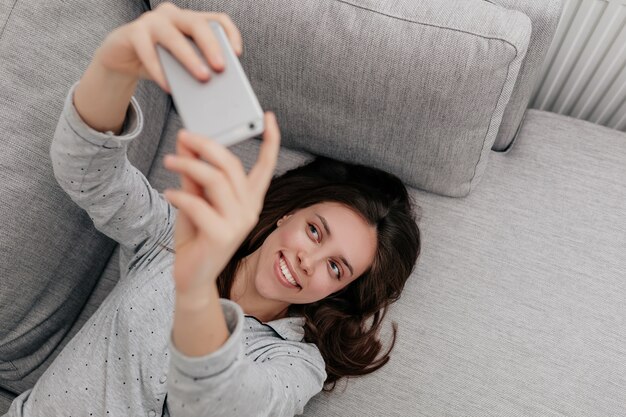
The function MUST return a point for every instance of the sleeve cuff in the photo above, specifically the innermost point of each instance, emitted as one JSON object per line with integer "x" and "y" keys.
{"x": 220, "y": 360}
{"x": 133, "y": 124}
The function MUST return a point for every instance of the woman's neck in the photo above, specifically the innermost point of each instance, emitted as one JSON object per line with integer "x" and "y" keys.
{"x": 244, "y": 293}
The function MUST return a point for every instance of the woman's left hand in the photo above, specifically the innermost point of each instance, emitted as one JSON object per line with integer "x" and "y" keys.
{"x": 218, "y": 204}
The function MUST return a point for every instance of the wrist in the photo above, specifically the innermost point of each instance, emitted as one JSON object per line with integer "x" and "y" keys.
{"x": 102, "y": 97}
{"x": 199, "y": 326}
{"x": 196, "y": 298}
{"x": 108, "y": 75}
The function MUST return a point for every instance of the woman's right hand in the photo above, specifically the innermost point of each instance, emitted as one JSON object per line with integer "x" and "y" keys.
{"x": 130, "y": 49}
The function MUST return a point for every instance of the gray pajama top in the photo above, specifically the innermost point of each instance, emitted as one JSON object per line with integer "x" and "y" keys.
{"x": 122, "y": 362}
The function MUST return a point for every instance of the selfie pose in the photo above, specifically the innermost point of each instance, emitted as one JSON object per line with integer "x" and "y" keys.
{"x": 240, "y": 294}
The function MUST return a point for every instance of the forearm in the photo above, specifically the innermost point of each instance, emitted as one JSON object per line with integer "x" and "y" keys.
{"x": 199, "y": 324}
{"x": 102, "y": 98}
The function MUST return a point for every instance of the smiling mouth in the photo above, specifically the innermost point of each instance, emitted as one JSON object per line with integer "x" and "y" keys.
{"x": 286, "y": 273}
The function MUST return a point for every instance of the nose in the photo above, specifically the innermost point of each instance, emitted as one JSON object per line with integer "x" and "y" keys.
{"x": 305, "y": 262}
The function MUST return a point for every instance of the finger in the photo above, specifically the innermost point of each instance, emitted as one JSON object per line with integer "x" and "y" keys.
{"x": 262, "y": 171}
{"x": 215, "y": 186}
{"x": 199, "y": 211}
{"x": 146, "y": 52}
{"x": 232, "y": 32}
{"x": 220, "y": 157}
{"x": 180, "y": 47}
{"x": 193, "y": 24}
{"x": 187, "y": 183}
{"x": 184, "y": 228}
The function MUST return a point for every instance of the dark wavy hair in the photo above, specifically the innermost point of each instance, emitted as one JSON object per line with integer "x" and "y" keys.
{"x": 345, "y": 325}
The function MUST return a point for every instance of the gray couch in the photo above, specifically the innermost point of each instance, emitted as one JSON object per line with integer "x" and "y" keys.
{"x": 516, "y": 306}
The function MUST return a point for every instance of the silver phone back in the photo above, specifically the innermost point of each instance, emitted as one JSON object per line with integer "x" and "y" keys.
{"x": 225, "y": 108}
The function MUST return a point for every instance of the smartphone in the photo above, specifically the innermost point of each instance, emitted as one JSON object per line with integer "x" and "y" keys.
{"x": 225, "y": 108}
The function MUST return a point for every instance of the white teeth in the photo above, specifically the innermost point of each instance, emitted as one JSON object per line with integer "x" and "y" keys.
{"x": 286, "y": 273}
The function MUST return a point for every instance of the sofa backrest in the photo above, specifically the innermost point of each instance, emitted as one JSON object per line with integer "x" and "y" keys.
{"x": 51, "y": 256}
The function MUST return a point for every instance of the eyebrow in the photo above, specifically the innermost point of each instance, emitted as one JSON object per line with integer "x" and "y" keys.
{"x": 325, "y": 224}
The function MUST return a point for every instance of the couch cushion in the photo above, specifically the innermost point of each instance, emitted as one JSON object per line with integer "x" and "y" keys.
{"x": 50, "y": 253}
{"x": 6, "y": 398}
{"x": 417, "y": 88}
{"x": 517, "y": 305}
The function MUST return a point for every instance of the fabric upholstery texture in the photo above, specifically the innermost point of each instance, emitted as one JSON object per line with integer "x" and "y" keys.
{"x": 50, "y": 254}
{"x": 6, "y": 398}
{"x": 415, "y": 88}
{"x": 523, "y": 316}
{"x": 544, "y": 15}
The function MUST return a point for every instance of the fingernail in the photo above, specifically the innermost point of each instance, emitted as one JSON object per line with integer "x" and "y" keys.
{"x": 203, "y": 70}
{"x": 182, "y": 134}
{"x": 218, "y": 60}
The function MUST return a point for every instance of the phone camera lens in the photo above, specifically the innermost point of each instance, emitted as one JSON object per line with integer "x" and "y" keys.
{"x": 251, "y": 125}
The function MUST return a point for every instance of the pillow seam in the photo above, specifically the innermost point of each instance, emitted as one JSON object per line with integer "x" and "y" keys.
{"x": 429, "y": 24}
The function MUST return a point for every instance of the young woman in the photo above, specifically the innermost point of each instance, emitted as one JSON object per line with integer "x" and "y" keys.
{"x": 279, "y": 285}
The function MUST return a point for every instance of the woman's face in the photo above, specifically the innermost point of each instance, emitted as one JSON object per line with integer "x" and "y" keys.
{"x": 323, "y": 248}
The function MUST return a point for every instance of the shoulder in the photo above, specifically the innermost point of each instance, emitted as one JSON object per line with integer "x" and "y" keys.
{"x": 279, "y": 339}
